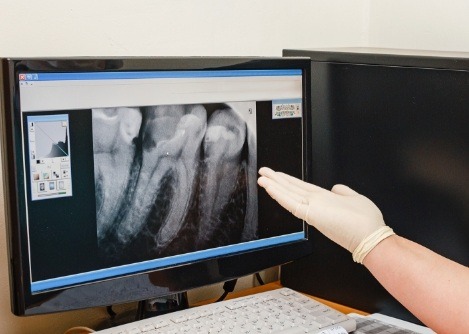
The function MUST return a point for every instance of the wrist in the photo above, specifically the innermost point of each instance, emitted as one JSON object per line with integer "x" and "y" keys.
{"x": 370, "y": 242}
{"x": 381, "y": 251}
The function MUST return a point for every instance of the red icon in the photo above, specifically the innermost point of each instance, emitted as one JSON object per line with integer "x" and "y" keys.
{"x": 22, "y": 76}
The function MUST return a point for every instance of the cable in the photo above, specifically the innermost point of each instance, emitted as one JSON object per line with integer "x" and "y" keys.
{"x": 228, "y": 286}
{"x": 111, "y": 312}
{"x": 259, "y": 279}
{"x": 139, "y": 315}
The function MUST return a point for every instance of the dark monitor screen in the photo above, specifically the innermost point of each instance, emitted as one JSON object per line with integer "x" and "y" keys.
{"x": 394, "y": 126}
{"x": 128, "y": 179}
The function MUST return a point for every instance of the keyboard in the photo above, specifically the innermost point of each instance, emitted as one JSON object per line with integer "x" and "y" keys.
{"x": 278, "y": 311}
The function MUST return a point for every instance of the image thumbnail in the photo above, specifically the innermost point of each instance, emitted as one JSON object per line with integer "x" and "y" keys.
{"x": 174, "y": 178}
{"x": 51, "y": 139}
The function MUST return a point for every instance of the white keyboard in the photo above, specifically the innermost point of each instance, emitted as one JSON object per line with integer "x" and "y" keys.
{"x": 277, "y": 311}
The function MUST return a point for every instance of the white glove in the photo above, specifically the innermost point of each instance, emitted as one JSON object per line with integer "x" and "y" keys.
{"x": 343, "y": 215}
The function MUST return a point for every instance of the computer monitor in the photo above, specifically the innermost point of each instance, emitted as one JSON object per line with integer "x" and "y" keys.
{"x": 394, "y": 126}
{"x": 130, "y": 179}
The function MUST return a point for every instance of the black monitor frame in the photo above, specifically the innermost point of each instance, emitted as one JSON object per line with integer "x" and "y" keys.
{"x": 367, "y": 107}
{"x": 143, "y": 285}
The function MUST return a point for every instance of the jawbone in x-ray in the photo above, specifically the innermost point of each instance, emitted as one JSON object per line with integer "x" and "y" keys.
{"x": 174, "y": 178}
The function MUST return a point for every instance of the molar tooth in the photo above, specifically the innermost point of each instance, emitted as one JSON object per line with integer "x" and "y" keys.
{"x": 171, "y": 144}
{"x": 114, "y": 131}
{"x": 225, "y": 138}
{"x": 191, "y": 130}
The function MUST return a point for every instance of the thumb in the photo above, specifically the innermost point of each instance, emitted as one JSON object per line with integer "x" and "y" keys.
{"x": 341, "y": 189}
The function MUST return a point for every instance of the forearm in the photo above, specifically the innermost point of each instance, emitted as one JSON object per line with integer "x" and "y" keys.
{"x": 433, "y": 288}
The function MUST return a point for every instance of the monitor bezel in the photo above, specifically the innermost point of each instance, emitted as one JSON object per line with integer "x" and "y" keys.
{"x": 166, "y": 280}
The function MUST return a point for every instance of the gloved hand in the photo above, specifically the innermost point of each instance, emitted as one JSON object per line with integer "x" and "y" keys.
{"x": 343, "y": 215}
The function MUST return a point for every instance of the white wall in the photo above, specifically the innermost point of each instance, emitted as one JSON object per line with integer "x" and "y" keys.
{"x": 419, "y": 24}
{"x": 175, "y": 27}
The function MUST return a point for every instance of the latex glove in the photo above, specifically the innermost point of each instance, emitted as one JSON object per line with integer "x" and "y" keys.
{"x": 343, "y": 215}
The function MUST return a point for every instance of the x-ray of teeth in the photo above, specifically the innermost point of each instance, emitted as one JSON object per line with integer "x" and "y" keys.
{"x": 114, "y": 134}
{"x": 190, "y": 178}
{"x": 171, "y": 145}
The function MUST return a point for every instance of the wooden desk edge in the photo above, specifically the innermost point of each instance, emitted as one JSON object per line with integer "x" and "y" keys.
{"x": 276, "y": 285}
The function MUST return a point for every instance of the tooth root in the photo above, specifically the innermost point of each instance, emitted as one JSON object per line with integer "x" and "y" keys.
{"x": 250, "y": 220}
{"x": 114, "y": 131}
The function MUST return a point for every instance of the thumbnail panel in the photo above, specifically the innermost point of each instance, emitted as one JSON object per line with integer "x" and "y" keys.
{"x": 49, "y": 156}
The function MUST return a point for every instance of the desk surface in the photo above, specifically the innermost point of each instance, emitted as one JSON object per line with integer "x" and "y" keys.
{"x": 277, "y": 285}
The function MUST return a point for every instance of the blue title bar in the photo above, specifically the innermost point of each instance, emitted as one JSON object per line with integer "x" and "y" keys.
{"x": 155, "y": 74}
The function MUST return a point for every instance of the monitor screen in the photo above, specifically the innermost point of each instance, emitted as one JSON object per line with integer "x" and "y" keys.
{"x": 129, "y": 179}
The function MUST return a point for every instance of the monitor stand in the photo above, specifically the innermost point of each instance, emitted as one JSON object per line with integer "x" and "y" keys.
{"x": 167, "y": 304}
{"x": 147, "y": 309}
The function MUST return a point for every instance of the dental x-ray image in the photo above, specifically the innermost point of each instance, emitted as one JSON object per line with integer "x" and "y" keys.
{"x": 171, "y": 179}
